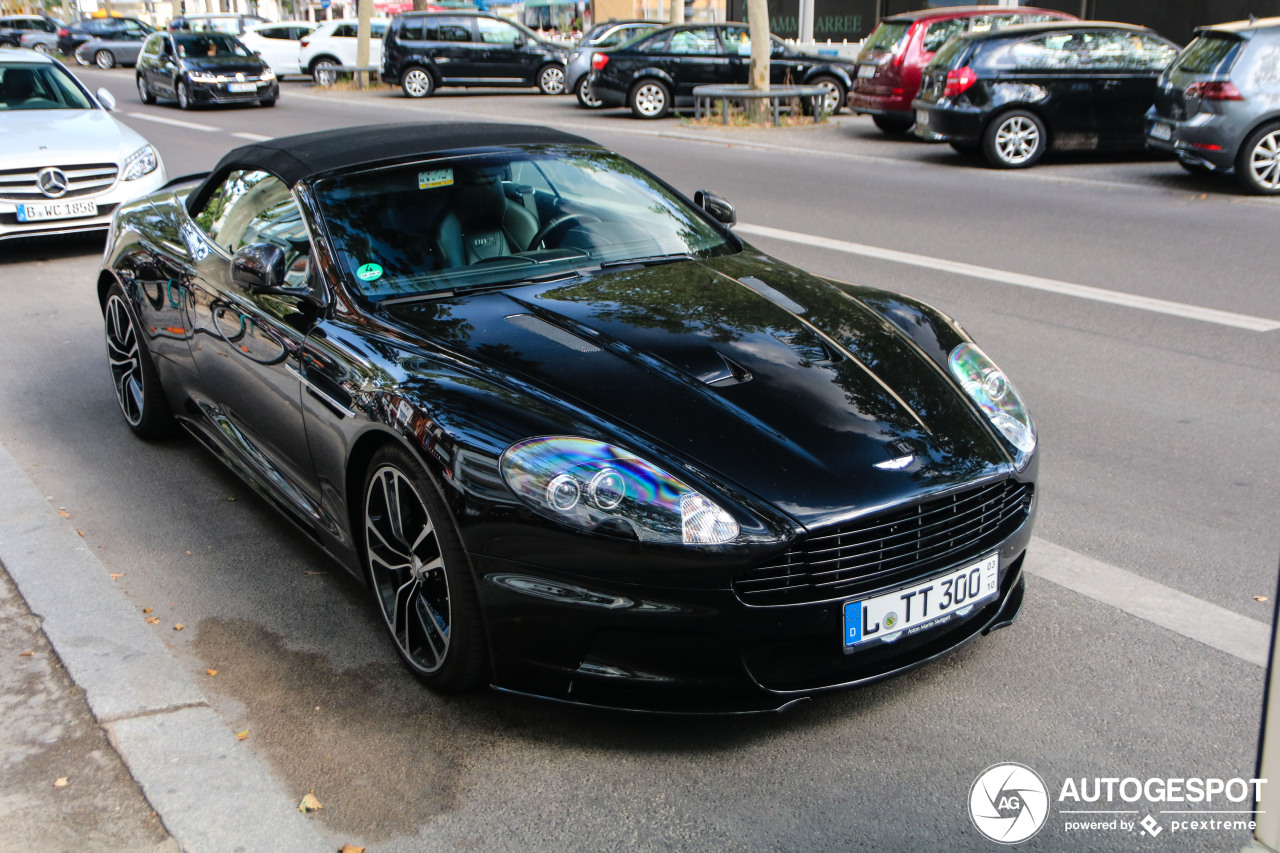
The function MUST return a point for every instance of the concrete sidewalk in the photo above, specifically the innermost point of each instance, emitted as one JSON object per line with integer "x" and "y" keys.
{"x": 100, "y": 702}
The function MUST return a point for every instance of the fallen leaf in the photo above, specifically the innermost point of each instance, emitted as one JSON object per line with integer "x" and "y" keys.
{"x": 25, "y": 654}
{"x": 146, "y": 610}
{"x": 1260, "y": 598}
{"x": 317, "y": 573}
{"x": 188, "y": 552}
{"x": 153, "y": 620}
{"x": 81, "y": 532}
{"x": 350, "y": 848}
{"x": 61, "y": 782}
{"x": 230, "y": 498}
{"x": 210, "y": 672}
{"x": 179, "y": 626}
{"x": 309, "y": 804}
{"x": 64, "y": 513}
{"x": 244, "y": 734}
{"x": 115, "y": 576}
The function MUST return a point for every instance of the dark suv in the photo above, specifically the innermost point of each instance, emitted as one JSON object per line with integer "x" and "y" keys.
{"x": 423, "y": 51}
{"x": 1217, "y": 107}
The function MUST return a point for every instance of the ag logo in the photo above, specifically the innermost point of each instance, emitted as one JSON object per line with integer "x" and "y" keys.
{"x": 1008, "y": 803}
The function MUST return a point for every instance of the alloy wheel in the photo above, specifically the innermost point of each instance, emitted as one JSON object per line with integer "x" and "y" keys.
{"x": 650, "y": 100}
{"x": 417, "y": 83}
{"x": 406, "y": 565}
{"x": 1264, "y": 162}
{"x": 104, "y": 59}
{"x": 184, "y": 97}
{"x": 551, "y": 80}
{"x": 125, "y": 358}
{"x": 586, "y": 98}
{"x": 1017, "y": 140}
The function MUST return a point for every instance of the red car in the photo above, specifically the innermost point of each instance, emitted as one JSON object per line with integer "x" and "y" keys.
{"x": 900, "y": 46}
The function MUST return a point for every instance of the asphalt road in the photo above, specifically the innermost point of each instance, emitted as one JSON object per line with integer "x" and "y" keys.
{"x": 1158, "y": 430}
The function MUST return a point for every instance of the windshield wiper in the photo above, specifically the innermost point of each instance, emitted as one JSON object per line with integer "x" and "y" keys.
{"x": 649, "y": 261}
{"x": 467, "y": 289}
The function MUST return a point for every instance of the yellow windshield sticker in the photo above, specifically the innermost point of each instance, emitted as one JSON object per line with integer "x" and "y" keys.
{"x": 435, "y": 178}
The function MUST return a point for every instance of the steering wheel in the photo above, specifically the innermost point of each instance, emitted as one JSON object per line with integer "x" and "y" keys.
{"x": 558, "y": 223}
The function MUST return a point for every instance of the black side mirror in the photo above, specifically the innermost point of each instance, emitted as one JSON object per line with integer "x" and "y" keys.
{"x": 259, "y": 268}
{"x": 519, "y": 42}
{"x": 719, "y": 208}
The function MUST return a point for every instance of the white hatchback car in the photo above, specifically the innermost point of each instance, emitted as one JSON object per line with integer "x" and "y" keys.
{"x": 334, "y": 43}
{"x": 279, "y": 44}
{"x": 65, "y": 162}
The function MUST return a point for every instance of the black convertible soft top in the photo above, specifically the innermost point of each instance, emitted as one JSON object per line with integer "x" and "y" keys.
{"x": 295, "y": 158}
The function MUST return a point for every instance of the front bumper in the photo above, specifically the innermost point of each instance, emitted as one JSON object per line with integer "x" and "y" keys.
{"x": 218, "y": 93}
{"x": 589, "y": 642}
{"x": 119, "y": 193}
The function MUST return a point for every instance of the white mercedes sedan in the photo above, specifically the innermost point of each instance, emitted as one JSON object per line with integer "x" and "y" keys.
{"x": 65, "y": 162}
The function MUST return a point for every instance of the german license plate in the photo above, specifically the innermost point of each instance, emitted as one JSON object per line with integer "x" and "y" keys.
{"x": 926, "y": 605}
{"x": 922, "y": 118}
{"x": 1162, "y": 131}
{"x": 865, "y": 71}
{"x": 240, "y": 88}
{"x": 56, "y": 210}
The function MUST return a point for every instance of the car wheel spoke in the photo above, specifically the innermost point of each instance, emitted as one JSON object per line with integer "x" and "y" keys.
{"x": 125, "y": 360}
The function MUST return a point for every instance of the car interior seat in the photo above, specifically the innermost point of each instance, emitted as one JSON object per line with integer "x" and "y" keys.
{"x": 484, "y": 223}
{"x": 18, "y": 85}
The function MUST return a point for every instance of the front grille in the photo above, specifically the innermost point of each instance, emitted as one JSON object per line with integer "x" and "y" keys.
{"x": 890, "y": 548}
{"x": 87, "y": 179}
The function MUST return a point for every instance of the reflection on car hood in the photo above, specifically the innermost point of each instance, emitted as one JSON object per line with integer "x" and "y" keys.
{"x": 797, "y": 399}
{"x": 41, "y": 138}
{"x": 225, "y": 66}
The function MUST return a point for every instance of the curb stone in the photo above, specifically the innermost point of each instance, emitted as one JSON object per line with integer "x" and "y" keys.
{"x": 208, "y": 789}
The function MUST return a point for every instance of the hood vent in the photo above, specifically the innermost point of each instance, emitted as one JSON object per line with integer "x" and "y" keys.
{"x": 728, "y": 373}
{"x": 538, "y": 326}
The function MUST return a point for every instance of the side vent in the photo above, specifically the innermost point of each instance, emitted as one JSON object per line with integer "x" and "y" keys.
{"x": 538, "y": 326}
{"x": 729, "y": 373}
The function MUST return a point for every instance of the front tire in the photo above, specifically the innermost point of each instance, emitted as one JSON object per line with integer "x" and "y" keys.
{"x": 184, "y": 95}
{"x": 1015, "y": 140}
{"x": 650, "y": 99}
{"x": 417, "y": 82}
{"x": 585, "y": 98}
{"x": 419, "y": 575}
{"x": 322, "y": 71}
{"x": 551, "y": 79}
{"x": 144, "y": 91}
{"x": 133, "y": 374}
{"x": 1258, "y": 163}
{"x": 41, "y": 47}
{"x": 104, "y": 59}
{"x": 268, "y": 102}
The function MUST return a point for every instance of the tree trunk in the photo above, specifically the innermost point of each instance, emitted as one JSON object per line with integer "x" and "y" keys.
{"x": 758, "y": 21}
{"x": 677, "y": 12}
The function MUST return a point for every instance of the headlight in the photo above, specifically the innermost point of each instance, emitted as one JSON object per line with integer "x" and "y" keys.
{"x": 198, "y": 77}
{"x": 596, "y": 486}
{"x": 141, "y": 162}
{"x": 987, "y": 386}
{"x": 268, "y": 74}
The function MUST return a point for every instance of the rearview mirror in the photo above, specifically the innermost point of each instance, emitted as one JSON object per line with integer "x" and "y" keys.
{"x": 719, "y": 208}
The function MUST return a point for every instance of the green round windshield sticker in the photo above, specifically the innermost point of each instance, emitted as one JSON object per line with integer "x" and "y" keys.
{"x": 369, "y": 272}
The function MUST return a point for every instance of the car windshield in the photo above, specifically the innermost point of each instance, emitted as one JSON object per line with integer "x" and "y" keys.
{"x": 39, "y": 86}
{"x": 492, "y": 219}
{"x": 209, "y": 44}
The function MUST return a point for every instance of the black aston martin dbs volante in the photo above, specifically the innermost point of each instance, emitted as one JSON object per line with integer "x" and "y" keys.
{"x": 579, "y": 440}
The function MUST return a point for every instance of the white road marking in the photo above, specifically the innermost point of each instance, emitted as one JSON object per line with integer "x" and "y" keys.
{"x": 1217, "y": 627}
{"x": 252, "y": 137}
{"x": 1080, "y": 291}
{"x": 176, "y": 122}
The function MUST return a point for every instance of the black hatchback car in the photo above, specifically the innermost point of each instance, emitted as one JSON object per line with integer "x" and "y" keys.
{"x": 652, "y": 75}
{"x": 423, "y": 52}
{"x": 196, "y": 68}
{"x": 1017, "y": 92}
